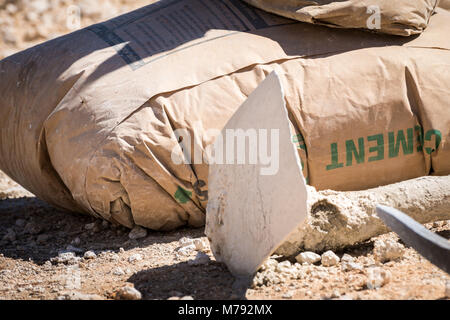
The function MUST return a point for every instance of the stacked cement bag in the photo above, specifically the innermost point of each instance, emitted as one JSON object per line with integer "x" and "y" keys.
{"x": 401, "y": 17}
{"x": 90, "y": 121}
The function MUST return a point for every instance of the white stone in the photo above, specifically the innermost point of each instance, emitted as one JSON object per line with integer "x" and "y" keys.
{"x": 200, "y": 244}
{"x": 128, "y": 293}
{"x": 65, "y": 258}
{"x": 135, "y": 257}
{"x": 350, "y": 266}
{"x": 269, "y": 264}
{"x": 347, "y": 258}
{"x": 186, "y": 250}
{"x": 90, "y": 255}
{"x": 377, "y": 277}
{"x": 118, "y": 271}
{"x": 137, "y": 233}
{"x": 186, "y": 241}
{"x": 329, "y": 259}
{"x": 387, "y": 250}
{"x": 308, "y": 257}
{"x": 252, "y": 208}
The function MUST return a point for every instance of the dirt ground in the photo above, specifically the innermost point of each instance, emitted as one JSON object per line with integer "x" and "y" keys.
{"x": 49, "y": 254}
{"x": 31, "y": 267}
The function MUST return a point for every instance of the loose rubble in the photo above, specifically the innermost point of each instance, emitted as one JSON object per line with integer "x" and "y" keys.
{"x": 128, "y": 293}
{"x": 32, "y": 265}
{"x": 308, "y": 257}
{"x": 89, "y": 255}
{"x": 329, "y": 259}
{"x": 135, "y": 257}
{"x": 65, "y": 258}
{"x": 387, "y": 250}
{"x": 377, "y": 277}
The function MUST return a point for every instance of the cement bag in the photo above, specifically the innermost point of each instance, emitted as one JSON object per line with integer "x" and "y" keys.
{"x": 404, "y": 17}
{"x": 90, "y": 121}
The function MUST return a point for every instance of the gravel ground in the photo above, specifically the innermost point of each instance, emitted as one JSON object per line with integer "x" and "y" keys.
{"x": 49, "y": 254}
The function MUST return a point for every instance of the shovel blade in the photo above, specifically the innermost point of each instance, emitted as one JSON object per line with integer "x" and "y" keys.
{"x": 253, "y": 207}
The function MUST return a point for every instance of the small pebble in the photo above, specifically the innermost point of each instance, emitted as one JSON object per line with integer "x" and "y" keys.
{"x": 128, "y": 293}
{"x": 89, "y": 255}
{"x": 135, "y": 257}
{"x": 329, "y": 259}
{"x": 89, "y": 226}
{"x": 308, "y": 257}
{"x": 137, "y": 233}
{"x": 350, "y": 266}
{"x": 118, "y": 271}
{"x": 388, "y": 250}
{"x": 377, "y": 277}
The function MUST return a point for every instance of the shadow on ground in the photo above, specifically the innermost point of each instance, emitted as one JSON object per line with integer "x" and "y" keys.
{"x": 42, "y": 231}
{"x": 211, "y": 281}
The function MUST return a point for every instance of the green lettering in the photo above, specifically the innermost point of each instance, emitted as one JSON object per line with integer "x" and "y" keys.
{"x": 334, "y": 158}
{"x": 379, "y": 148}
{"x": 298, "y": 139}
{"x": 182, "y": 195}
{"x": 438, "y": 135}
{"x": 394, "y": 146}
{"x": 351, "y": 150}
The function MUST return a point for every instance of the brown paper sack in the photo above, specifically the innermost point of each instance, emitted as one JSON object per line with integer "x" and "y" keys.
{"x": 401, "y": 17}
{"x": 91, "y": 121}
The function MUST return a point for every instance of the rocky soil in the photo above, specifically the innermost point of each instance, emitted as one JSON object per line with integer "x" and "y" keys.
{"x": 49, "y": 254}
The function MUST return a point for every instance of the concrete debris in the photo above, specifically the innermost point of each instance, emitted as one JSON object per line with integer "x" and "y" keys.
{"x": 308, "y": 257}
{"x": 350, "y": 266}
{"x": 269, "y": 264}
{"x": 388, "y": 250}
{"x": 135, "y": 257}
{"x": 67, "y": 257}
{"x": 89, "y": 255}
{"x": 186, "y": 250}
{"x": 185, "y": 241}
{"x": 200, "y": 244}
{"x": 347, "y": 258}
{"x": 329, "y": 259}
{"x": 118, "y": 271}
{"x": 377, "y": 277}
{"x": 128, "y": 293}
